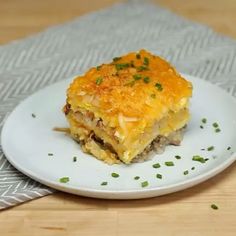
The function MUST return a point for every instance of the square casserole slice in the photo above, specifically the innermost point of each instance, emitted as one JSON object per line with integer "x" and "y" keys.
{"x": 122, "y": 110}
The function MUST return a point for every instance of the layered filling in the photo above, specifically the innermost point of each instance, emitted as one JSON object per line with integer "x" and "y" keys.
{"x": 110, "y": 145}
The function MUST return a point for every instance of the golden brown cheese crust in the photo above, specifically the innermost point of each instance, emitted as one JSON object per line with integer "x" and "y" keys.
{"x": 114, "y": 95}
{"x": 131, "y": 94}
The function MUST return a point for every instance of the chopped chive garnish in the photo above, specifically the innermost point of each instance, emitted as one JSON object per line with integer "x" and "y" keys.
{"x": 99, "y": 80}
{"x": 116, "y": 59}
{"x": 215, "y": 125}
{"x": 115, "y": 175}
{"x": 146, "y": 61}
{"x": 201, "y": 126}
{"x": 193, "y": 168}
{"x": 64, "y": 179}
{"x": 146, "y": 80}
{"x": 122, "y": 66}
{"x": 199, "y": 159}
{"x": 157, "y": 165}
{"x": 136, "y": 177}
{"x": 186, "y": 172}
{"x": 159, "y": 86}
{"x": 137, "y": 77}
{"x": 144, "y": 184}
{"x": 142, "y": 68}
{"x": 74, "y": 159}
{"x": 138, "y": 56}
{"x": 214, "y": 206}
{"x": 103, "y": 183}
{"x": 98, "y": 67}
{"x": 178, "y": 157}
{"x": 153, "y": 95}
{"x": 204, "y": 120}
{"x": 206, "y": 159}
{"x": 228, "y": 148}
{"x": 217, "y": 130}
{"x": 211, "y": 148}
{"x": 159, "y": 176}
{"x": 50, "y": 154}
{"x": 169, "y": 163}
{"x": 33, "y": 115}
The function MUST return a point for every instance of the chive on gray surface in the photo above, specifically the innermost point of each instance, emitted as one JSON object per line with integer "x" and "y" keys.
{"x": 69, "y": 49}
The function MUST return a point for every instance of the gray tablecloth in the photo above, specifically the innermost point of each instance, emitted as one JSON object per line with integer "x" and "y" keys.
{"x": 69, "y": 49}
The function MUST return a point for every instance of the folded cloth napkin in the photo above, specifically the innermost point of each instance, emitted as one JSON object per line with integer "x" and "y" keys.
{"x": 69, "y": 49}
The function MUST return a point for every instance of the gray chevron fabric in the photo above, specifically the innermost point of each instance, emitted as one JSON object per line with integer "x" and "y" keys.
{"x": 66, "y": 50}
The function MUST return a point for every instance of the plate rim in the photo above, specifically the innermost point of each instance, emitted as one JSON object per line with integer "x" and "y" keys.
{"x": 118, "y": 194}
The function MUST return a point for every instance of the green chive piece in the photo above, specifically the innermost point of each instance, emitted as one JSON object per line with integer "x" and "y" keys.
{"x": 116, "y": 59}
{"x": 193, "y": 168}
{"x": 138, "y": 56}
{"x": 215, "y": 125}
{"x": 201, "y": 126}
{"x": 178, "y": 157}
{"x": 98, "y": 67}
{"x": 228, "y": 148}
{"x": 217, "y": 130}
{"x": 169, "y": 163}
{"x": 214, "y": 206}
{"x": 50, "y": 154}
{"x": 142, "y": 68}
{"x": 146, "y": 61}
{"x": 33, "y": 115}
{"x": 74, "y": 159}
{"x": 136, "y": 177}
{"x": 122, "y": 66}
{"x": 211, "y": 148}
{"x": 206, "y": 159}
{"x": 144, "y": 184}
{"x": 103, "y": 183}
{"x": 204, "y": 120}
{"x": 64, "y": 179}
{"x": 158, "y": 86}
{"x": 99, "y": 80}
{"x": 137, "y": 77}
{"x": 153, "y": 95}
{"x": 157, "y": 165}
{"x": 115, "y": 175}
{"x": 198, "y": 158}
{"x": 186, "y": 172}
{"x": 159, "y": 176}
{"x": 146, "y": 80}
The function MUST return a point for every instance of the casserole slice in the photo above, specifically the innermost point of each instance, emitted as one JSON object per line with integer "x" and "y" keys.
{"x": 121, "y": 111}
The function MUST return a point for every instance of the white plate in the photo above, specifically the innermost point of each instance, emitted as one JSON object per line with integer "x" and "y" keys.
{"x": 26, "y": 141}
